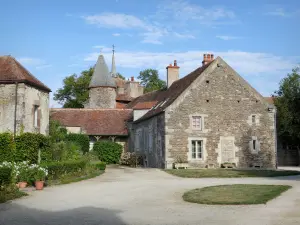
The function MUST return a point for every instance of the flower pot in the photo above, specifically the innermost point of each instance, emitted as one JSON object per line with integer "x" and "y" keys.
{"x": 17, "y": 185}
{"x": 22, "y": 184}
{"x": 39, "y": 185}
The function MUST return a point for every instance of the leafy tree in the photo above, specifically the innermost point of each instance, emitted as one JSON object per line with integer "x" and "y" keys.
{"x": 287, "y": 102}
{"x": 74, "y": 92}
{"x": 150, "y": 80}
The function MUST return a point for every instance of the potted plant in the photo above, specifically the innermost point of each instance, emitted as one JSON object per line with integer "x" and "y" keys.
{"x": 180, "y": 163}
{"x": 23, "y": 174}
{"x": 39, "y": 174}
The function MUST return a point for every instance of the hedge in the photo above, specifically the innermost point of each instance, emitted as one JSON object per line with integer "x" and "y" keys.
{"x": 81, "y": 139}
{"x": 28, "y": 146}
{"x": 58, "y": 169}
{"x": 7, "y": 147}
{"x": 98, "y": 165}
{"x": 108, "y": 151}
{"x": 5, "y": 176}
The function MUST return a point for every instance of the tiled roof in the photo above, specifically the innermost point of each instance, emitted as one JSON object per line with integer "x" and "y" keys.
{"x": 144, "y": 105}
{"x": 270, "y": 100}
{"x": 124, "y": 98}
{"x": 166, "y": 97}
{"x": 12, "y": 71}
{"x": 94, "y": 121}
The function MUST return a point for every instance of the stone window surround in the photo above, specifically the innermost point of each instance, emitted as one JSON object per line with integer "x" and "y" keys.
{"x": 257, "y": 145}
{"x": 250, "y": 119}
{"x": 35, "y": 115}
{"x": 204, "y": 152}
{"x": 202, "y": 127}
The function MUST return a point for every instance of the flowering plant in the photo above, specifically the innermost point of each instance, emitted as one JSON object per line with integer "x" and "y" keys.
{"x": 38, "y": 173}
{"x": 23, "y": 171}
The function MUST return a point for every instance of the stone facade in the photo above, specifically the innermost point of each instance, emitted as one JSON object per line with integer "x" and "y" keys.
{"x": 31, "y": 103}
{"x": 102, "y": 97}
{"x": 237, "y": 124}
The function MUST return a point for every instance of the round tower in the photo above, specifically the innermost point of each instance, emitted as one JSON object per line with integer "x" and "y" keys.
{"x": 102, "y": 88}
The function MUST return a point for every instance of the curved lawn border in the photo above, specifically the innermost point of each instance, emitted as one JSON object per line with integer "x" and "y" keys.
{"x": 236, "y": 194}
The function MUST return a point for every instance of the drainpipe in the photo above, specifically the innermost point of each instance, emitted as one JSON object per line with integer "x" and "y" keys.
{"x": 275, "y": 136}
{"x": 15, "y": 114}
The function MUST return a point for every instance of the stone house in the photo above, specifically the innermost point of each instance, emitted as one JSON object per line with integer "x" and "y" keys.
{"x": 209, "y": 117}
{"x": 24, "y": 100}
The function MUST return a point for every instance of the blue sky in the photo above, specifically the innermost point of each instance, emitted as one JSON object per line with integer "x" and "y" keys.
{"x": 53, "y": 39}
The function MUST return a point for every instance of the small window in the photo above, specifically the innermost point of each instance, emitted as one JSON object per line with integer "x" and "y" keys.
{"x": 35, "y": 115}
{"x": 207, "y": 81}
{"x": 197, "y": 149}
{"x": 254, "y": 144}
{"x": 253, "y": 118}
{"x": 197, "y": 122}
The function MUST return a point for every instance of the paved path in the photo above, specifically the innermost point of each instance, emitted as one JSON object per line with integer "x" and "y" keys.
{"x": 147, "y": 196}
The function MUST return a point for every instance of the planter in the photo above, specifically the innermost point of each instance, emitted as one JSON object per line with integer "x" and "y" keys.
{"x": 181, "y": 165}
{"x": 22, "y": 184}
{"x": 39, "y": 185}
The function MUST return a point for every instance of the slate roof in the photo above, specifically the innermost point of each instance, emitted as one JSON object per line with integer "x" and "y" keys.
{"x": 166, "y": 97}
{"x": 94, "y": 121}
{"x": 12, "y": 71}
{"x": 101, "y": 76}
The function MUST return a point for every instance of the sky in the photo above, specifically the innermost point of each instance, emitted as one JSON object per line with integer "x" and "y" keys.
{"x": 54, "y": 39}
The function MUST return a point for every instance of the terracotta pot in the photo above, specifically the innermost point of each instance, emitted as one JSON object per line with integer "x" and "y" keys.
{"x": 17, "y": 185}
{"x": 39, "y": 185}
{"x": 22, "y": 184}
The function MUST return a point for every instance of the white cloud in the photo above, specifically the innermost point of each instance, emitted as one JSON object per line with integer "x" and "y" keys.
{"x": 188, "y": 36}
{"x": 246, "y": 63}
{"x": 35, "y": 63}
{"x": 278, "y": 12}
{"x": 116, "y": 34}
{"x": 227, "y": 38}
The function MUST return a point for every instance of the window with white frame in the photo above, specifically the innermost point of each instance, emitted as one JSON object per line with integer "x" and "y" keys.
{"x": 35, "y": 115}
{"x": 196, "y": 149}
{"x": 197, "y": 122}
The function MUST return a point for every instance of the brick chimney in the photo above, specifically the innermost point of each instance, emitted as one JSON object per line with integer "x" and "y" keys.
{"x": 132, "y": 78}
{"x": 207, "y": 58}
{"x": 172, "y": 73}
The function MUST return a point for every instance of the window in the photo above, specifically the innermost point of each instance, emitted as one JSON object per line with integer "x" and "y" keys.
{"x": 253, "y": 118}
{"x": 197, "y": 149}
{"x": 35, "y": 115}
{"x": 197, "y": 122}
{"x": 254, "y": 144}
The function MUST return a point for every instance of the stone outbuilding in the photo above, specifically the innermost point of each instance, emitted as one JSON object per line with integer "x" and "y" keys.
{"x": 24, "y": 100}
{"x": 208, "y": 118}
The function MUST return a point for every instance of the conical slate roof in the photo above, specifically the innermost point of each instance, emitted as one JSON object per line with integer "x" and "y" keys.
{"x": 101, "y": 76}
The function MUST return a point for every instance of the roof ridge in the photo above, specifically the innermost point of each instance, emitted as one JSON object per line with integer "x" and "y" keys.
{"x": 115, "y": 109}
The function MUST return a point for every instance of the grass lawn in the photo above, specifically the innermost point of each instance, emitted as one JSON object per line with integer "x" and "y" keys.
{"x": 228, "y": 173}
{"x": 6, "y": 195}
{"x": 237, "y": 194}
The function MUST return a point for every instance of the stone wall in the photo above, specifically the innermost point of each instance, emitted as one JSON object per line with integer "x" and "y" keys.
{"x": 102, "y": 97}
{"x": 27, "y": 98}
{"x": 149, "y": 140}
{"x": 226, "y": 104}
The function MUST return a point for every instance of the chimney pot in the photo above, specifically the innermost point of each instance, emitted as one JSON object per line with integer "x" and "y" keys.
{"x": 207, "y": 58}
{"x": 212, "y": 56}
{"x": 175, "y": 62}
{"x": 132, "y": 78}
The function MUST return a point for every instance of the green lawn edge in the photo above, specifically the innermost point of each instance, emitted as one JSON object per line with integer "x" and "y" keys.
{"x": 7, "y": 196}
{"x": 74, "y": 179}
{"x": 229, "y": 173}
{"x": 211, "y": 195}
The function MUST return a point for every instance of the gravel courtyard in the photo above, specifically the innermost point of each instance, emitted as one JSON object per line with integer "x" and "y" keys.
{"x": 147, "y": 196}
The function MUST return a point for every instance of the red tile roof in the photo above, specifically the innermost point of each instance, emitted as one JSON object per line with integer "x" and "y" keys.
{"x": 270, "y": 100}
{"x": 124, "y": 98}
{"x": 166, "y": 97}
{"x": 145, "y": 105}
{"x": 12, "y": 71}
{"x": 94, "y": 121}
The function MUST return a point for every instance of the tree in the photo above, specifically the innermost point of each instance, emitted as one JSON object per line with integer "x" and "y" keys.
{"x": 75, "y": 93}
{"x": 287, "y": 102}
{"x": 150, "y": 80}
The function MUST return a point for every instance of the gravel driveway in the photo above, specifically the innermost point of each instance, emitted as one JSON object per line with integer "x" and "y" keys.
{"x": 147, "y": 196}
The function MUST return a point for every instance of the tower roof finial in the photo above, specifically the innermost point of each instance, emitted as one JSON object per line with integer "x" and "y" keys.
{"x": 113, "y": 64}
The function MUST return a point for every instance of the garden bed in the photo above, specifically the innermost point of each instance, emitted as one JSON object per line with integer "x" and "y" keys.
{"x": 237, "y": 194}
{"x": 229, "y": 173}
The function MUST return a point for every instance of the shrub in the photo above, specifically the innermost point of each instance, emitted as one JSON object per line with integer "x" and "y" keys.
{"x": 37, "y": 173}
{"x": 63, "y": 151}
{"x": 28, "y": 146}
{"x": 23, "y": 171}
{"x": 7, "y": 147}
{"x": 98, "y": 165}
{"x": 58, "y": 169}
{"x": 109, "y": 152}
{"x": 81, "y": 139}
{"x": 131, "y": 159}
{"x": 5, "y": 175}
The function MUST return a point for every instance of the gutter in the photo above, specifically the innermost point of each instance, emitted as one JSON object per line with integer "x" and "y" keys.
{"x": 15, "y": 113}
